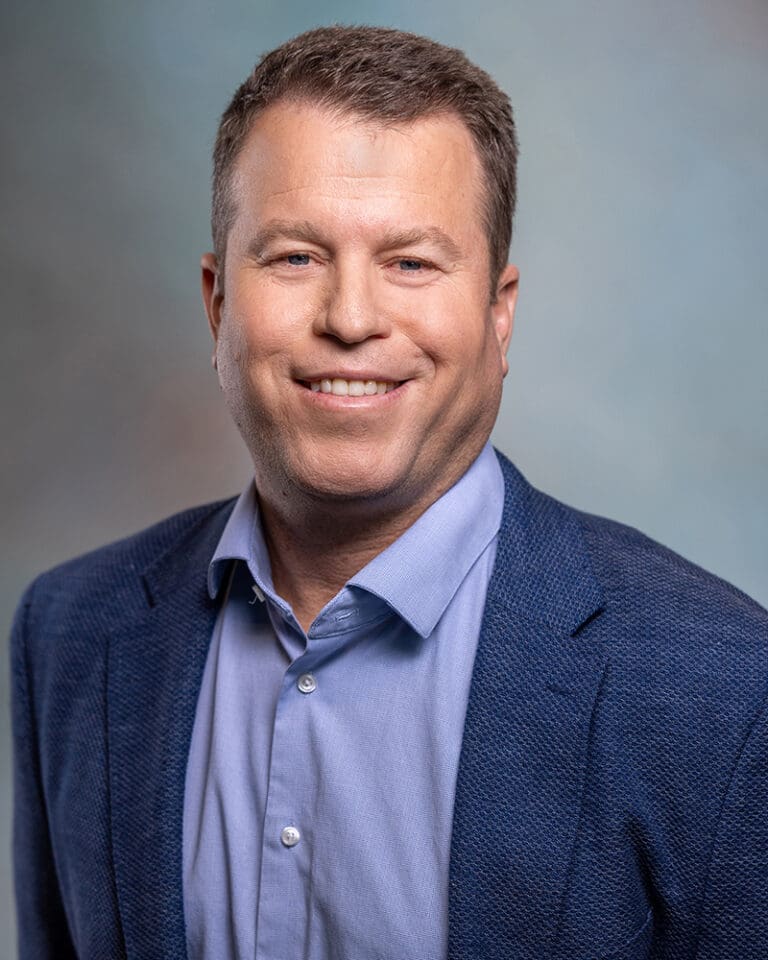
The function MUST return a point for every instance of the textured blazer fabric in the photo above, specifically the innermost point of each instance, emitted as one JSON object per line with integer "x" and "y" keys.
{"x": 612, "y": 796}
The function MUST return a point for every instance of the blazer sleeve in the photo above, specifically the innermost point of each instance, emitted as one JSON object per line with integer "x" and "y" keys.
{"x": 43, "y": 931}
{"x": 734, "y": 921}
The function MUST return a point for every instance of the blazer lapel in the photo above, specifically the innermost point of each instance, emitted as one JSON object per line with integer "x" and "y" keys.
{"x": 524, "y": 753}
{"x": 156, "y": 663}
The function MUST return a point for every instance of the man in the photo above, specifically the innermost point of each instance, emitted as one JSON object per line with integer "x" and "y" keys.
{"x": 393, "y": 702}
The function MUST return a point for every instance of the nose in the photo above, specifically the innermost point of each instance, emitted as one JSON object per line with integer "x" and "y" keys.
{"x": 352, "y": 312}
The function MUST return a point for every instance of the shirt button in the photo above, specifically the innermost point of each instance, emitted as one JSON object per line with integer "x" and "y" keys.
{"x": 289, "y": 836}
{"x": 306, "y": 683}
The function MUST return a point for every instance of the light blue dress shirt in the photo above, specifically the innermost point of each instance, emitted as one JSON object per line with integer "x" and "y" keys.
{"x": 322, "y": 769}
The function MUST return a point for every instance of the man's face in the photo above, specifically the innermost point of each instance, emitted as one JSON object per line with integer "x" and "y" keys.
{"x": 358, "y": 263}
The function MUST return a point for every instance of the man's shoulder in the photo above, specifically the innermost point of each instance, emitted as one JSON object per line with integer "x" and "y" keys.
{"x": 682, "y": 643}
{"x": 114, "y": 570}
{"x": 642, "y": 574}
{"x": 645, "y": 585}
{"x": 674, "y": 632}
{"x": 140, "y": 549}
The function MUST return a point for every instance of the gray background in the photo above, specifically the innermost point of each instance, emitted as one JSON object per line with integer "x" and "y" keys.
{"x": 638, "y": 386}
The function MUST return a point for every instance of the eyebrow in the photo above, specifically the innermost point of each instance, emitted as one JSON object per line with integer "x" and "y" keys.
{"x": 433, "y": 235}
{"x": 281, "y": 230}
{"x": 304, "y": 230}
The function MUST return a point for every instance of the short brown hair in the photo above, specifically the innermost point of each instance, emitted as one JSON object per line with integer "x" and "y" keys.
{"x": 381, "y": 75}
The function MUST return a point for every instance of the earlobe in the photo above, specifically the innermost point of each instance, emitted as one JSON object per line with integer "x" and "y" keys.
{"x": 503, "y": 310}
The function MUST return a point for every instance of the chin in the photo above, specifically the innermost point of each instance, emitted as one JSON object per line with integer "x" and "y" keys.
{"x": 336, "y": 477}
{"x": 348, "y": 488}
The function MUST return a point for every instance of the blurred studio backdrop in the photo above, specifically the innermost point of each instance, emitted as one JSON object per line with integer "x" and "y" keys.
{"x": 638, "y": 385}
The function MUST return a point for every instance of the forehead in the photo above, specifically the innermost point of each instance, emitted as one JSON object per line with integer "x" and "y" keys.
{"x": 300, "y": 155}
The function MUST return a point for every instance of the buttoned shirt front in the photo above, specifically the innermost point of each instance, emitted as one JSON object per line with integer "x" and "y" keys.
{"x": 322, "y": 770}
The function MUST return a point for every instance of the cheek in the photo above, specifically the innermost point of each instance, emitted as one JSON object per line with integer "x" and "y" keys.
{"x": 450, "y": 319}
{"x": 456, "y": 342}
{"x": 240, "y": 357}
{"x": 263, "y": 325}
{"x": 230, "y": 349}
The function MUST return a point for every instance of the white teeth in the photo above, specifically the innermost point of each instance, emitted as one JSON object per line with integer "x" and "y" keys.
{"x": 352, "y": 388}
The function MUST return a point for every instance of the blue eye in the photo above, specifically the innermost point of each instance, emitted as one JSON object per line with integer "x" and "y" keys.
{"x": 410, "y": 264}
{"x": 298, "y": 259}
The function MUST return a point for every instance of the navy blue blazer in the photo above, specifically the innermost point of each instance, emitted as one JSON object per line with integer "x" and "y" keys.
{"x": 612, "y": 797}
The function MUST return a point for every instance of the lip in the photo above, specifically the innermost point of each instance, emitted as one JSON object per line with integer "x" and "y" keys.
{"x": 378, "y": 375}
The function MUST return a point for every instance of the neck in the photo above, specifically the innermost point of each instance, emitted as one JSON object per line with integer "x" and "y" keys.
{"x": 315, "y": 552}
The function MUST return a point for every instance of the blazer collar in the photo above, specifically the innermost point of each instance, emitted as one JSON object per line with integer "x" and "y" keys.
{"x": 543, "y": 570}
{"x": 542, "y": 564}
{"x": 182, "y": 562}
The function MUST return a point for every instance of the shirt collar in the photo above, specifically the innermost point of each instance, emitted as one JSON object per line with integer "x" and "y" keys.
{"x": 242, "y": 539}
{"x": 418, "y": 574}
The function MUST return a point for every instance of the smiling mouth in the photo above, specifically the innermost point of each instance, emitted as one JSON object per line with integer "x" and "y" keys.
{"x": 340, "y": 387}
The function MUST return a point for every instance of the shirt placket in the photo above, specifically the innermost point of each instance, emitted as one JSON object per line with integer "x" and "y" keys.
{"x": 285, "y": 888}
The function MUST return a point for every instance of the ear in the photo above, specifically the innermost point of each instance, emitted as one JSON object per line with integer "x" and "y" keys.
{"x": 503, "y": 310}
{"x": 213, "y": 295}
